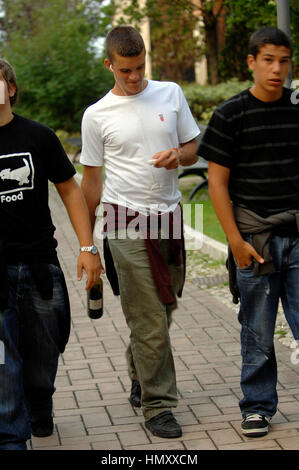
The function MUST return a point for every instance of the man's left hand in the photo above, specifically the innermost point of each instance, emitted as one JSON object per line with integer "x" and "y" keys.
{"x": 92, "y": 265}
{"x": 168, "y": 159}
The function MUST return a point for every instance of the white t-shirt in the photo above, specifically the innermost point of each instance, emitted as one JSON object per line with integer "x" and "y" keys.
{"x": 122, "y": 133}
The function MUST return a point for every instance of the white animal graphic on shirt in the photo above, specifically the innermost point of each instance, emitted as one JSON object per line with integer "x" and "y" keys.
{"x": 19, "y": 174}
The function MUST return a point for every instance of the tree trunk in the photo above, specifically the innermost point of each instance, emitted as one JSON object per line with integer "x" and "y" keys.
{"x": 210, "y": 24}
{"x": 212, "y": 54}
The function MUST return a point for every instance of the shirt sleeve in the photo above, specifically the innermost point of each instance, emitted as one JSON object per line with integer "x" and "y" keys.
{"x": 187, "y": 129}
{"x": 92, "y": 153}
{"x": 217, "y": 144}
{"x": 59, "y": 166}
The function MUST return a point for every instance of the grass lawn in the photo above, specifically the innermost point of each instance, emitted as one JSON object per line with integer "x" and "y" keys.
{"x": 79, "y": 168}
{"x": 211, "y": 226}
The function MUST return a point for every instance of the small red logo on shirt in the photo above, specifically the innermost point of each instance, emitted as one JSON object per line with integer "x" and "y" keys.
{"x": 161, "y": 117}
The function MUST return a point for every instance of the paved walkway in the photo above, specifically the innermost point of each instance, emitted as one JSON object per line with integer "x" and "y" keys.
{"x": 91, "y": 402}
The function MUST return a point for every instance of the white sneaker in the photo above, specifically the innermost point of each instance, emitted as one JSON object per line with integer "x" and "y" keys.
{"x": 255, "y": 425}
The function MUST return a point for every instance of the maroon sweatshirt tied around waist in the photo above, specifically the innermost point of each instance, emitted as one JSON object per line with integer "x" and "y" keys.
{"x": 118, "y": 217}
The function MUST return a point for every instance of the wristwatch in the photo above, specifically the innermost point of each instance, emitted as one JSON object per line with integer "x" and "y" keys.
{"x": 89, "y": 249}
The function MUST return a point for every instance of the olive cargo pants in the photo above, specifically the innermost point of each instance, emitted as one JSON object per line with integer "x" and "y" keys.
{"x": 149, "y": 353}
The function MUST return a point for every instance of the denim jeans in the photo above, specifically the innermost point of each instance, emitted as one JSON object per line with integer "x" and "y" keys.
{"x": 259, "y": 298}
{"x": 30, "y": 332}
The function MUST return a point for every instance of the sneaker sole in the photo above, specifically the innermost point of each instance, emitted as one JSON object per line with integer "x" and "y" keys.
{"x": 255, "y": 432}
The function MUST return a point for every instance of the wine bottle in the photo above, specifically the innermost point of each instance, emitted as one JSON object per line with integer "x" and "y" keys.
{"x": 95, "y": 300}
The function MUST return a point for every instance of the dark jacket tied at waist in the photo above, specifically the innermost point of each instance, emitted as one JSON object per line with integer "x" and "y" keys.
{"x": 261, "y": 230}
{"x": 118, "y": 217}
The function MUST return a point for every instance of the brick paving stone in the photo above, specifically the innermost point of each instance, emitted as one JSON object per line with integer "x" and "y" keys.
{"x": 62, "y": 403}
{"x": 192, "y": 359}
{"x": 221, "y": 438}
{"x": 62, "y": 381}
{"x": 101, "y": 366}
{"x": 194, "y": 436}
{"x": 186, "y": 418}
{"x": 131, "y": 438}
{"x": 228, "y": 370}
{"x": 220, "y": 387}
{"x": 204, "y": 410}
{"x": 120, "y": 411}
{"x": 285, "y": 424}
{"x": 89, "y": 439}
{"x": 252, "y": 444}
{"x": 75, "y": 446}
{"x": 107, "y": 445}
{"x": 165, "y": 445}
{"x": 292, "y": 417}
{"x": 128, "y": 420}
{"x": 282, "y": 434}
{"x": 38, "y": 442}
{"x": 96, "y": 419}
{"x": 89, "y": 397}
{"x": 68, "y": 418}
{"x": 209, "y": 426}
{"x": 225, "y": 401}
{"x": 71, "y": 429}
{"x": 188, "y": 386}
{"x": 80, "y": 375}
{"x": 73, "y": 354}
{"x": 179, "y": 365}
{"x": 221, "y": 418}
{"x": 289, "y": 408}
{"x": 289, "y": 443}
{"x": 209, "y": 376}
{"x": 200, "y": 444}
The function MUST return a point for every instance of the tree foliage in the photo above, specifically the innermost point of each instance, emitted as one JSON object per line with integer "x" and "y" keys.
{"x": 50, "y": 45}
{"x": 182, "y": 31}
{"x": 176, "y": 48}
{"x": 242, "y": 19}
{"x": 172, "y": 24}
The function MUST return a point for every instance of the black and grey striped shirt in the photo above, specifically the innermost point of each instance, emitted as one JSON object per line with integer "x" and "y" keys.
{"x": 259, "y": 142}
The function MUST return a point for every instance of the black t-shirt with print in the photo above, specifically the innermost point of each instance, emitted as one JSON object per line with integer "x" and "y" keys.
{"x": 30, "y": 156}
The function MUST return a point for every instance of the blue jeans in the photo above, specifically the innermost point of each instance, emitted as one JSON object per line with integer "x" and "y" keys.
{"x": 30, "y": 332}
{"x": 259, "y": 298}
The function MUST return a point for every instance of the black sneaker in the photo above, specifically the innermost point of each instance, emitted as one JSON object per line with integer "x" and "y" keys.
{"x": 255, "y": 425}
{"x": 164, "y": 425}
{"x": 42, "y": 428}
{"x": 135, "y": 396}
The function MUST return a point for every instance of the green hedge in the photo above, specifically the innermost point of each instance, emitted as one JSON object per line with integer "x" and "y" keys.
{"x": 204, "y": 99}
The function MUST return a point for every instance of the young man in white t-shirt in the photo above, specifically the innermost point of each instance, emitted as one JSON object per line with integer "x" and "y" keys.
{"x": 141, "y": 131}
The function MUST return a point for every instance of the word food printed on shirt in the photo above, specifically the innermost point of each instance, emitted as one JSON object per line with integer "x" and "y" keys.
{"x": 2, "y": 95}
{"x": 16, "y": 174}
